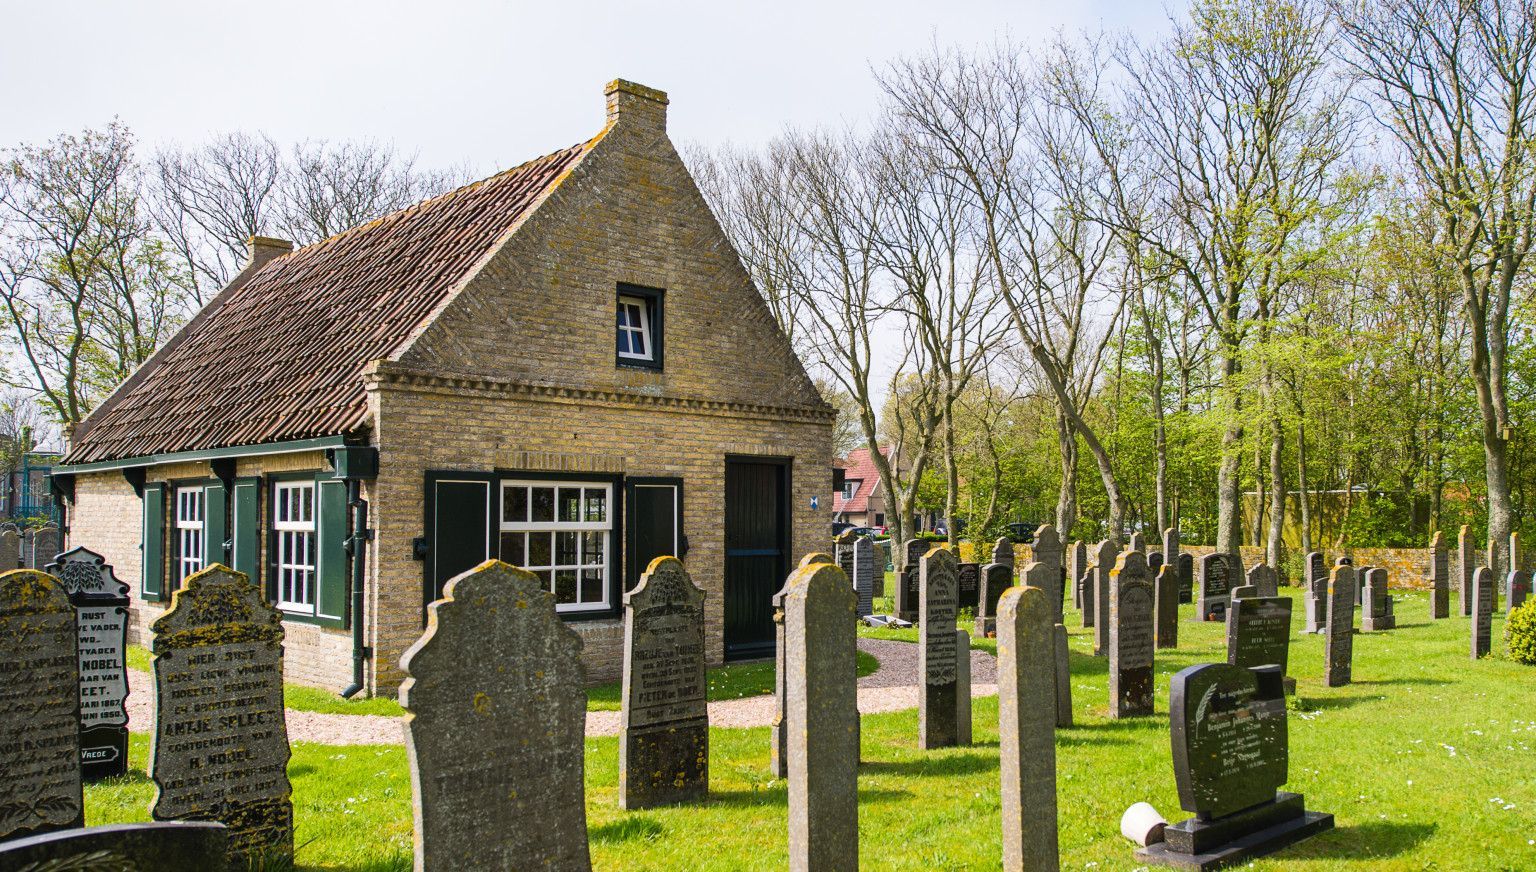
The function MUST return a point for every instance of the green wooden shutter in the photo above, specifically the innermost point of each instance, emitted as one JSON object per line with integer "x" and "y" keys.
{"x": 331, "y": 536}
{"x": 245, "y": 527}
{"x": 153, "y": 547}
{"x": 215, "y": 524}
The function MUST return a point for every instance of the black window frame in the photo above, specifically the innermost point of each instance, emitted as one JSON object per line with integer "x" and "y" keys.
{"x": 655, "y": 301}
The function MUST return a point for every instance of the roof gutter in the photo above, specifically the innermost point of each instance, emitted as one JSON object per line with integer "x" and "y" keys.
{"x": 290, "y": 447}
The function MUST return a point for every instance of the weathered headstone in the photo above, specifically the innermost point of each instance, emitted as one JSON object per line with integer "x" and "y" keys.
{"x": 1361, "y": 574}
{"x": 1063, "y": 677}
{"x": 1215, "y": 583}
{"x": 1339, "y": 641}
{"x": 908, "y": 589}
{"x": 882, "y": 564}
{"x": 172, "y": 845}
{"x": 1316, "y": 592}
{"x": 1103, "y": 564}
{"x": 962, "y": 688}
{"x": 1186, "y": 564}
{"x": 1165, "y": 606}
{"x": 1085, "y": 584}
{"x": 220, "y": 748}
{"x": 1260, "y": 632}
{"x": 842, "y": 552}
{"x": 1002, "y": 551}
{"x": 664, "y": 723}
{"x": 101, "y": 612}
{"x": 1376, "y": 609}
{"x": 1155, "y": 562}
{"x": 1230, "y": 757}
{"x": 1466, "y": 563}
{"x": 1047, "y": 552}
{"x": 44, "y": 547}
{"x": 1482, "y": 612}
{"x": 1265, "y": 578}
{"x": 1515, "y": 557}
{"x": 995, "y": 578}
{"x": 39, "y": 707}
{"x": 1440, "y": 578}
{"x": 10, "y": 550}
{"x": 936, "y": 654}
{"x": 968, "y": 576}
{"x": 1077, "y": 566}
{"x": 823, "y": 720}
{"x": 1519, "y": 588}
{"x": 778, "y": 731}
{"x": 1171, "y": 550}
{"x": 496, "y": 727}
{"x": 1131, "y": 636}
{"x": 1138, "y": 543}
{"x": 868, "y": 565}
{"x": 1027, "y": 699}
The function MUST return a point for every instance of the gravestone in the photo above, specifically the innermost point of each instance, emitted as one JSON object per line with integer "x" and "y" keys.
{"x": 842, "y": 550}
{"x": 1047, "y": 552}
{"x": 1063, "y": 677}
{"x": 778, "y": 757}
{"x": 39, "y": 707}
{"x": 1376, "y": 610}
{"x": 1186, "y": 564}
{"x": 1138, "y": 543}
{"x": 1339, "y": 638}
{"x": 1155, "y": 562}
{"x": 995, "y": 578}
{"x": 220, "y": 748}
{"x": 936, "y": 652}
{"x": 908, "y": 590}
{"x": 1215, "y": 584}
{"x": 158, "y": 847}
{"x": 10, "y": 550}
{"x": 1077, "y": 566}
{"x": 1027, "y": 698}
{"x": 495, "y": 727}
{"x": 1171, "y": 550}
{"x": 44, "y": 547}
{"x": 1361, "y": 574}
{"x": 882, "y": 565}
{"x": 1103, "y": 564}
{"x": 1260, "y": 632}
{"x": 1085, "y": 597}
{"x": 823, "y": 714}
{"x": 868, "y": 565}
{"x": 1131, "y": 637}
{"x": 1002, "y": 551}
{"x": 1264, "y": 577}
{"x": 1439, "y": 578}
{"x": 1230, "y": 757}
{"x": 1466, "y": 563}
{"x": 1519, "y": 588}
{"x": 968, "y": 576}
{"x": 101, "y": 616}
{"x": 962, "y": 688}
{"x": 1165, "y": 606}
{"x": 664, "y": 724}
{"x": 1482, "y": 612}
{"x": 1317, "y": 592}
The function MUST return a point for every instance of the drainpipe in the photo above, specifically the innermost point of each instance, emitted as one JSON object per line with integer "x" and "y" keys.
{"x": 357, "y": 550}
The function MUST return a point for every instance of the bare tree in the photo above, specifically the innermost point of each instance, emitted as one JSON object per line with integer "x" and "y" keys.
{"x": 329, "y": 187}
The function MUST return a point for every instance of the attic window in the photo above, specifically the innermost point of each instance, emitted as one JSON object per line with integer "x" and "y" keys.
{"x": 850, "y": 488}
{"x": 639, "y": 327}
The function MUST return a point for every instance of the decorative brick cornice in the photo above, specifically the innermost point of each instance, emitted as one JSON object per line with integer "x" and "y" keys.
{"x": 381, "y": 374}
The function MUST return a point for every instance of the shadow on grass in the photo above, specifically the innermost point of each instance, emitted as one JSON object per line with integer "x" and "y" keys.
{"x": 1368, "y": 841}
{"x": 1308, "y": 703}
{"x": 1431, "y": 682}
{"x": 780, "y": 796}
{"x": 626, "y": 829}
{"x": 946, "y": 764}
{"x": 1073, "y": 741}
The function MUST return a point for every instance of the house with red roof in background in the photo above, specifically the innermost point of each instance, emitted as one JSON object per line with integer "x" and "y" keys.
{"x": 862, "y": 502}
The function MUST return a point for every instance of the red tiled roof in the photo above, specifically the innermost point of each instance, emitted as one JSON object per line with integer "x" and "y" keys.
{"x": 859, "y": 466}
{"x": 280, "y": 356}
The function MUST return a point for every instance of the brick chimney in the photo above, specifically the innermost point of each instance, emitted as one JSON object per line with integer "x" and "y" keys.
{"x": 265, "y": 248}
{"x": 634, "y": 104}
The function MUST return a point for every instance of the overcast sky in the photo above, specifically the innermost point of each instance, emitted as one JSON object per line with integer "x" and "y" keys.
{"x": 487, "y": 83}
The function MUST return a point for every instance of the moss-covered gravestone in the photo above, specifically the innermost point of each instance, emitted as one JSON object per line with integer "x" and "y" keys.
{"x": 1439, "y": 578}
{"x": 10, "y": 550}
{"x": 1317, "y": 592}
{"x": 1026, "y": 704}
{"x": 1339, "y": 641}
{"x": 936, "y": 654}
{"x": 1103, "y": 558}
{"x": 1047, "y": 552}
{"x": 101, "y": 612}
{"x": 1132, "y": 636}
{"x": 1165, "y": 605}
{"x": 1483, "y": 597}
{"x": 664, "y": 731}
{"x": 39, "y": 707}
{"x": 220, "y": 749}
{"x": 778, "y": 731}
{"x": 1466, "y": 564}
{"x": 496, "y": 725}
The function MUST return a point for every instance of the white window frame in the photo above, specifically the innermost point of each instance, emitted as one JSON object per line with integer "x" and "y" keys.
{"x": 555, "y": 527}
{"x": 190, "y": 521}
{"x": 850, "y": 489}
{"x": 295, "y": 542}
{"x": 643, "y": 330}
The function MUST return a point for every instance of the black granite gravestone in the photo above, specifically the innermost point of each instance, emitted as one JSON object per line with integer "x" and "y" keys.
{"x": 101, "y": 612}
{"x": 199, "y": 845}
{"x": 1215, "y": 586}
{"x": 1260, "y": 632}
{"x": 969, "y": 576}
{"x": 1186, "y": 578}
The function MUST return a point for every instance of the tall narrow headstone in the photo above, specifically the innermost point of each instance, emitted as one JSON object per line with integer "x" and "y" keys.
{"x": 1519, "y": 588}
{"x": 1026, "y": 688}
{"x": 968, "y": 578}
{"x": 1317, "y": 592}
{"x": 1155, "y": 562}
{"x": 1186, "y": 564}
{"x": 1362, "y": 573}
{"x": 45, "y": 547}
{"x": 1063, "y": 677}
{"x": 1085, "y": 585}
{"x": 1439, "y": 578}
{"x": 1482, "y": 612}
{"x": 1171, "y": 550}
{"x": 664, "y": 723}
{"x": 10, "y": 550}
{"x": 1002, "y": 551}
{"x": 962, "y": 688}
{"x": 101, "y": 612}
{"x": 495, "y": 728}
{"x": 1466, "y": 563}
{"x": 1138, "y": 543}
{"x": 1376, "y": 608}
{"x": 1215, "y": 582}
{"x": 39, "y": 707}
{"x": 1077, "y": 565}
{"x": 1047, "y": 552}
{"x": 1264, "y": 577}
{"x": 1165, "y": 606}
{"x": 1131, "y": 637}
{"x": 995, "y": 578}
{"x": 1515, "y": 557}
{"x": 1339, "y": 641}
{"x": 1103, "y": 565}
{"x": 823, "y": 720}
{"x": 908, "y": 588}
{"x": 229, "y": 762}
{"x": 842, "y": 552}
{"x": 936, "y": 652}
{"x": 867, "y": 566}
{"x": 778, "y": 731}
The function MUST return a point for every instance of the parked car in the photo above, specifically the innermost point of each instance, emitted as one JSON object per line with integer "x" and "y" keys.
{"x": 1022, "y": 531}
{"x": 839, "y": 526}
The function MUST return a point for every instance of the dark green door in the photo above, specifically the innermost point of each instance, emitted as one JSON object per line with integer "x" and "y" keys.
{"x": 458, "y": 527}
{"x": 756, "y": 552}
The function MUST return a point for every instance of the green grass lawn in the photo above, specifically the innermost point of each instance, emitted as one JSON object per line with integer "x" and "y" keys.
{"x": 725, "y": 682}
{"x": 1426, "y": 761}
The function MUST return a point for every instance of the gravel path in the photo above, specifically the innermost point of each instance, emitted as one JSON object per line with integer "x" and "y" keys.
{"x": 892, "y": 687}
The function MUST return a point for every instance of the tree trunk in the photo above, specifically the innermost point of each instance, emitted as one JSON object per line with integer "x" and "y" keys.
{"x": 1276, "y": 545}
{"x": 1302, "y": 495}
{"x": 1066, "y": 497}
{"x": 1229, "y": 484}
{"x": 952, "y": 476}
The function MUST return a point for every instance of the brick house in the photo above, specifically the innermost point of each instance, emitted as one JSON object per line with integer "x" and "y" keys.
{"x": 862, "y": 500}
{"x": 564, "y": 366}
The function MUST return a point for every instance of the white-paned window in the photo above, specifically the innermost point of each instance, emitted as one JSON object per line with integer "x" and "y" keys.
{"x": 635, "y": 339}
{"x": 190, "y": 505}
{"x": 293, "y": 538}
{"x": 849, "y": 489}
{"x": 560, "y": 531}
